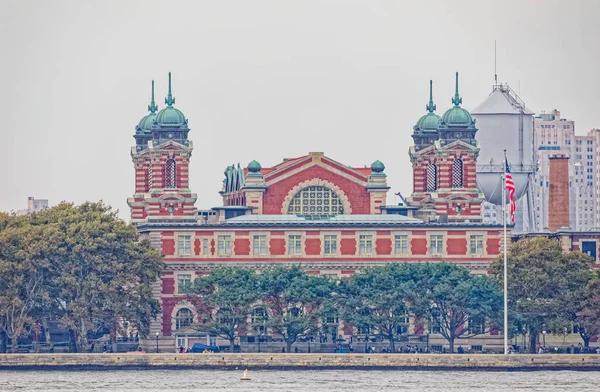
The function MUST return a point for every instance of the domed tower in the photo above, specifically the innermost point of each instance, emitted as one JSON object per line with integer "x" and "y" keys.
{"x": 426, "y": 129}
{"x": 161, "y": 159}
{"x": 143, "y": 131}
{"x": 444, "y": 160}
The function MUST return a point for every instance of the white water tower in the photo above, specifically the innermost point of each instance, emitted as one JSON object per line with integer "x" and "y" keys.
{"x": 504, "y": 122}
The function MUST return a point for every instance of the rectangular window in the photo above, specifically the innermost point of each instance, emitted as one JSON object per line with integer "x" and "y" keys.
{"x": 365, "y": 244}
{"x": 205, "y": 247}
{"x": 401, "y": 245}
{"x": 476, "y": 245}
{"x": 330, "y": 244}
{"x": 259, "y": 245}
{"x": 184, "y": 283}
{"x": 224, "y": 245}
{"x": 184, "y": 245}
{"x": 436, "y": 244}
{"x": 295, "y": 245}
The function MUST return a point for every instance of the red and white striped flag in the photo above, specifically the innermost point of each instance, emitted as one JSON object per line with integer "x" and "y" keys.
{"x": 510, "y": 187}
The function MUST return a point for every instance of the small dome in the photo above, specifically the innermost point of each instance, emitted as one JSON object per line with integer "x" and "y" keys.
{"x": 145, "y": 123}
{"x": 430, "y": 121}
{"x": 254, "y": 167}
{"x": 170, "y": 116}
{"x": 457, "y": 116}
{"x": 377, "y": 166}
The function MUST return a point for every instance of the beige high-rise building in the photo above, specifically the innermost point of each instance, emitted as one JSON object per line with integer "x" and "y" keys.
{"x": 555, "y": 135}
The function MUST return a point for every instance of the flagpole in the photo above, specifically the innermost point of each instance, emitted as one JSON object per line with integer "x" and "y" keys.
{"x": 505, "y": 257}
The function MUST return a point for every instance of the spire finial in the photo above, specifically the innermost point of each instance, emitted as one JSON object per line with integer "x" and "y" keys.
{"x": 170, "y": 100}
{"x": 152, "y": 108}
{"x": 431, "y": 106}
{"x": 457, "y": 100}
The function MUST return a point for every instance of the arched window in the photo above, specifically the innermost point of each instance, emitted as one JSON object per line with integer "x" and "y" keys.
{"x": 184, "y": 318}
{"x": 315, "y": 200}
{"x": 431, "y": 178}
{"x": 457, "y": 173}
{"x": 149, "y": 178}
{"x": 170, "y": 173}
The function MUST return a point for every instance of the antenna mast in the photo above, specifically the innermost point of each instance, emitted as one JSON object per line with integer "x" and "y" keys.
{"x": 495, "y": 73}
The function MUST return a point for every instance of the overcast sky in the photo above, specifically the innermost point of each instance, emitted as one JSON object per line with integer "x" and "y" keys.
{"x": 266, "y": 80}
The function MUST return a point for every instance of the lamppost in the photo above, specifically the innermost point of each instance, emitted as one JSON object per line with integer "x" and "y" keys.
{"x": 544, "y": 337}
{"x": 309, "y": 338}
{"x": 157, "y": 342}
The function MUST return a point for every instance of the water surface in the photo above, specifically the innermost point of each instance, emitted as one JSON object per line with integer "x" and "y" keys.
{"x": 297, "y": 380}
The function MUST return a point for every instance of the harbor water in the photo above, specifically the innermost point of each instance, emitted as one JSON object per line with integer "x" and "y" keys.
{"x": 296, "y": 380}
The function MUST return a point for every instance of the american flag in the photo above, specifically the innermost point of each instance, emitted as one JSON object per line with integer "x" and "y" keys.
{"x": 510, "y": 187}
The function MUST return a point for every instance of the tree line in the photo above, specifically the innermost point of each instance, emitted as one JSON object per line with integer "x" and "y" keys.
{"x": 379, "y": 301}
{"x": 84, "y": 268}
{"x": 80, "y": 266}
{"x": 549, "y": 289}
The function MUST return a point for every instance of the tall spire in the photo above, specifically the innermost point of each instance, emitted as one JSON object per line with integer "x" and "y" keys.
{"x": 152, "y": 108}
{"x": 170, "y": 100}
{"x": 431, "y": 106}
{"x": 457, "y": 100}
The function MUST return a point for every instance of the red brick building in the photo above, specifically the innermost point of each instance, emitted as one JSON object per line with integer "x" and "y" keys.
{"x": 311, "y": 210}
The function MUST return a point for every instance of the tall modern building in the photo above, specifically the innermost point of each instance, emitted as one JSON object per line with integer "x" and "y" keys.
{"x": 554, "y": 135}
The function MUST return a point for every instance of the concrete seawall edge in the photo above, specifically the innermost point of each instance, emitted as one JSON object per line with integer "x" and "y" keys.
{"x": 299, "y": 361}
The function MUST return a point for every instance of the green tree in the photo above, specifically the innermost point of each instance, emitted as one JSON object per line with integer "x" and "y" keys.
{"x": 226, "y": 297}
{"x": 461, "y": 304}
{"x": 588, "y": 318}
{"x": 546, "y": 286}
{"x": 381, "y": 297}
{"x": 24, "y": 268}
{"x": 101, "y": 271}
{"x": 296, "y": 301}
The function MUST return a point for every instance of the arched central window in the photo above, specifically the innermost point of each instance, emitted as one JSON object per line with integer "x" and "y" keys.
{"x": 170, "y": 173}
{"x": 431, "y": 178}
{"x": 457, "y": 173}
{"x": 184, "y": 318}
{"x": 315, "y": 200}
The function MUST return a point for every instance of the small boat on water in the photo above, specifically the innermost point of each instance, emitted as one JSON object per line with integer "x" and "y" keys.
{"x": 245, "y": 376}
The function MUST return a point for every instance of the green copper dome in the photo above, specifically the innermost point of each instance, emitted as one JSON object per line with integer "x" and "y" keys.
{"x": 146, "y": 122}
{"x": 377, "y": 166}
{"x": 170, "y": 116}
{"x": 457, "y": 116}
{"x": 254, "y": 167}
{"x": 430, "y": 121}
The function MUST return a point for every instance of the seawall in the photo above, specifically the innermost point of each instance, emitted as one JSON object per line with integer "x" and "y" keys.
{"x": 300, "y": 361}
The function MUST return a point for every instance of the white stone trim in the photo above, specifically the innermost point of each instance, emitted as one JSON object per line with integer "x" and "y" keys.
{"x": 316, "y": 182}
{"x": 408, "y": 235}
{"x": 181, "y": 305}
{"x": 484, "y": 243}
{"x": 267, "y": 235}
{"x": 338, "y": 235}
